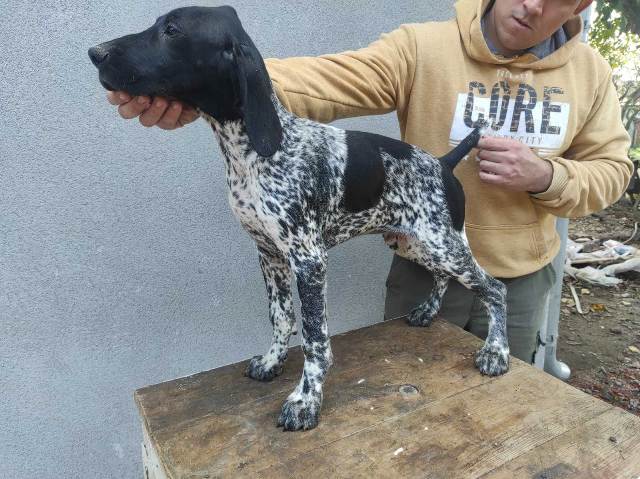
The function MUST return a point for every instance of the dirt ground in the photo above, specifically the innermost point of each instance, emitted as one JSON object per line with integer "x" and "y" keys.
{"x": 602, "y": 346}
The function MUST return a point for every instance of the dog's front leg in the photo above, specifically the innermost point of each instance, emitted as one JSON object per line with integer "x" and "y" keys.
{"x": 301, "y": 410}
{"x": 277, "y": 279}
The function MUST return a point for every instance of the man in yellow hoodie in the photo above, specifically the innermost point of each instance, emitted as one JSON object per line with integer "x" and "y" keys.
{"x": 560, "y": 149}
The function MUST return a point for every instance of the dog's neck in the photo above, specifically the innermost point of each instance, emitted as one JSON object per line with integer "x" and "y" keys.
{"x": 232, "y": 133}
{"x": 234, "y": 142}
{"x": 208, "y": 102}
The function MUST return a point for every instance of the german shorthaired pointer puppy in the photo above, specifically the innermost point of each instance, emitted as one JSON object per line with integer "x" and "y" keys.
{"x": 299, "y": 187}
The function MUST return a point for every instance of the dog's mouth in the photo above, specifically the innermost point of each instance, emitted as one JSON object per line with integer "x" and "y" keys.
{"x": 107, "y": 85}
{"x": 124, "y": 68}
{"x": 113, "y": 80}
{"x": 135, "y": 85}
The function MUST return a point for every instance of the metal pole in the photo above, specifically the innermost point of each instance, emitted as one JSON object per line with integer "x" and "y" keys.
{"x": 548, "y": 360}
{"x": 551, "y": 363}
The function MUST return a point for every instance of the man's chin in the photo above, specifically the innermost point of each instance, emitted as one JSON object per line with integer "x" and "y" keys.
{"x": 510, "y": 49}
{"x": 517, "y": 44}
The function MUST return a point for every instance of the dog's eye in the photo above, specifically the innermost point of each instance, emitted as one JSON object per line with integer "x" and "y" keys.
{"x": 171, "y": 30}
{"x": 227, "y": 55}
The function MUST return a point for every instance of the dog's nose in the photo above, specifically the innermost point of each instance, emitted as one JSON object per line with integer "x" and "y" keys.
{"x": 98, "y": 55}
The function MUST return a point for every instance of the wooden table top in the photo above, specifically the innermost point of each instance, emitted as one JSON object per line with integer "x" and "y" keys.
{"x": 457, "y": 424}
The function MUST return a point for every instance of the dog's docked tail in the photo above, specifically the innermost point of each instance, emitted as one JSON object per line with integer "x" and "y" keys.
{"x": 463, "y": 148}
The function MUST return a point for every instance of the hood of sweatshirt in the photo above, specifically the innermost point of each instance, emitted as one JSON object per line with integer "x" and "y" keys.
{"x": 469, "y": 15}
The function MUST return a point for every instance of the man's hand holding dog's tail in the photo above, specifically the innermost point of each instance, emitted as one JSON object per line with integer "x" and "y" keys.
{"x": 510, "y": 164}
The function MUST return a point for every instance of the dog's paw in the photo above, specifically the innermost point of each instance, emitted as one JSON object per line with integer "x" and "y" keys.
{"x": 493, "y": 360}
{"x": 262, "y": 370}
{"x": 302, "y": 413}
{"x": 420, "y": 317}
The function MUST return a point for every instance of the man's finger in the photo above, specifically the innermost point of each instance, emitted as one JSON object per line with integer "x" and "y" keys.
{"x": 188, "y": 115}
{"x": 118, "y": 97}
{"x": 491, "y": 167}
{"x": 134, "y": 107}
{"x": 490, "y": 178}
{"x": 494, "y": 143}
{"x": 152, "y": 115}
{"x": 169, "y": 120}
{"x": 496, "y": 156}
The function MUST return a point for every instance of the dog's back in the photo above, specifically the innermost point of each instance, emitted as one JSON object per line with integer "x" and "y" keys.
{"x": 352, "y": 183}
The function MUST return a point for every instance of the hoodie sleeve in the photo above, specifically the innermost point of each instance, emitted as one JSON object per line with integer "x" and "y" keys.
{"x": 373, "y": 80}
{"x": 595, "y": 171}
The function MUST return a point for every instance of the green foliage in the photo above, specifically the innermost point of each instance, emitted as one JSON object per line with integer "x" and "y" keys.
{"x": 618, "y": 47}
{"x": 614, "y": 33}
{"x": 634, "y": 153}
{"x": 629, "y": 94}
{"x": 628, "y": 11}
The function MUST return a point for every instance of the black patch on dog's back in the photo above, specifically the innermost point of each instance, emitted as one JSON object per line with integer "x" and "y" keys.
{"x": 454, "y": 195}
{"x": 364, "y": 174}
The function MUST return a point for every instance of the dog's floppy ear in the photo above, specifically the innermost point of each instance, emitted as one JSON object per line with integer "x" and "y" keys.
{"x": 254, "y": 94}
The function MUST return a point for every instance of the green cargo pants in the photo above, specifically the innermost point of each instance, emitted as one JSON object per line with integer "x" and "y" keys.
{"x": 409, "y": 284}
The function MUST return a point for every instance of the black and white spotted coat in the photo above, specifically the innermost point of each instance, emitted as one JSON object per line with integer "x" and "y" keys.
{"x": 322, "y": 187}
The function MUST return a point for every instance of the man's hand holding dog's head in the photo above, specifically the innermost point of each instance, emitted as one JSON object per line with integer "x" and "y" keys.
{"x": 157, "y": 111}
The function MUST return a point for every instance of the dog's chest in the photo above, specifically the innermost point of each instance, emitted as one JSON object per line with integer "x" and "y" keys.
{"x": 245, "y": 191}
{"x": 247, "y": 199}
{"x": 254, "y": 198}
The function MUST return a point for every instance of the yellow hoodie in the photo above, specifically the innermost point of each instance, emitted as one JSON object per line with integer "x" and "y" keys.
{"x": 441, "y": 77}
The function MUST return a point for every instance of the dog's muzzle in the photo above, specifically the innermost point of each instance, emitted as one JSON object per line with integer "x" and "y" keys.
{"x": 98, "y": 55}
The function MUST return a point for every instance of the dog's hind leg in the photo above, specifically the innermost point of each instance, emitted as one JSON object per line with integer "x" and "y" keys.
{"x": 277, "y": 278}
{"x": 449, "y": 254}
{"x": 301, "y": 410}
{"x": 423, "y": 314}
{"x": 408, "y": 246}
{"x": 493, "y": 357}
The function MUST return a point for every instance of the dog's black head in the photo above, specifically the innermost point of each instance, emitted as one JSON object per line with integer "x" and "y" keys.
{"x": 202, "y": 56}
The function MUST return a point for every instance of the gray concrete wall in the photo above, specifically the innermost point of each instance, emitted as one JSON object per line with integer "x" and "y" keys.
{"x": 120, "y": 262}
